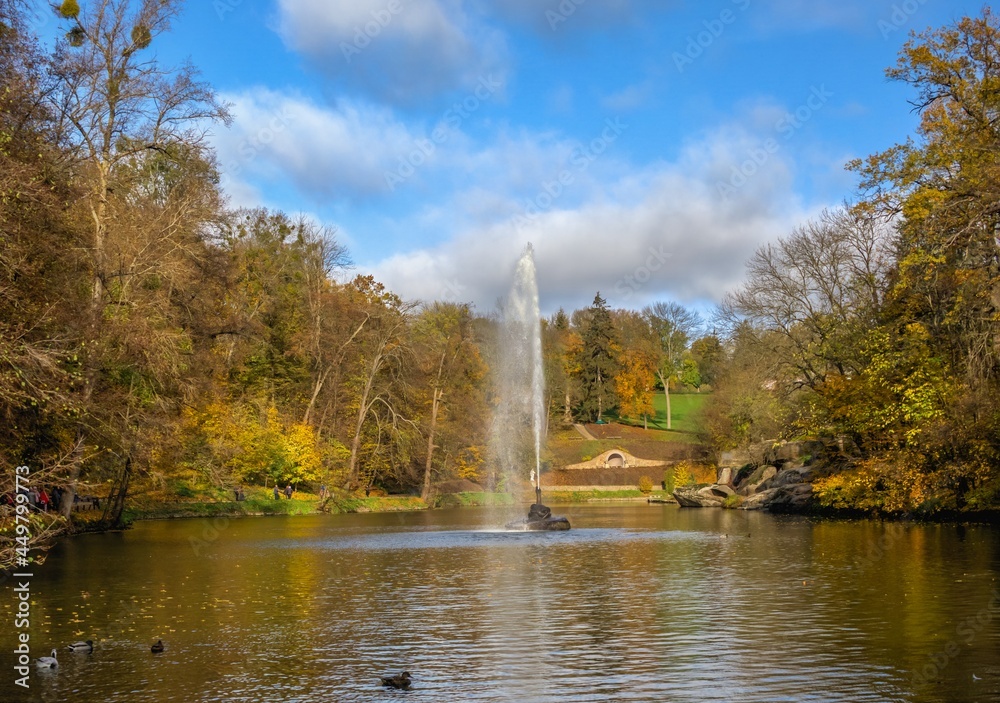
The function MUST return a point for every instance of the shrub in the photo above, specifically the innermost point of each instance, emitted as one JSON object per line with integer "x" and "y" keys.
{"x": 645, "y": 484}
{"x": 668, "y": 480}
{"x": 683, "y": 475}
{"x": 732, "y": 501}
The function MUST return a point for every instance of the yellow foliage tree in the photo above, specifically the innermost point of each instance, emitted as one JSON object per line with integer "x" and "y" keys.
{"x": 634, "y": 384}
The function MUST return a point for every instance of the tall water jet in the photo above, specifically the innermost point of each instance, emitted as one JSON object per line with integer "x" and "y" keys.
{"x": 521, "y": 388}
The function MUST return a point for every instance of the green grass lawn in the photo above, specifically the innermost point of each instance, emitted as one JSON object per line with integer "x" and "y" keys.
{"x": 686, "y": 409}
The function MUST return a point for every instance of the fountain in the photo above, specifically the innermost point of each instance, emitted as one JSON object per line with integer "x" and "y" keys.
{"x": 521, "y": 387}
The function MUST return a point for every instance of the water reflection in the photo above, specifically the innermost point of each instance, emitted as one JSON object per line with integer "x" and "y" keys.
{"x": 636, "y": 603}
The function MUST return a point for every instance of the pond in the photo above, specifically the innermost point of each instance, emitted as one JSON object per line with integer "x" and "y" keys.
{"x": 637, "y": 603}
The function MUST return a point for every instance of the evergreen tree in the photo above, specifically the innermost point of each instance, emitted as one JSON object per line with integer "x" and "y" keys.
{"x": 597, "y": 362}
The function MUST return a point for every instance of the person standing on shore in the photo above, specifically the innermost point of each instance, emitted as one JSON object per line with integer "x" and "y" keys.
{"x": 288, "y": 491}
{"x": 277, "y": 493}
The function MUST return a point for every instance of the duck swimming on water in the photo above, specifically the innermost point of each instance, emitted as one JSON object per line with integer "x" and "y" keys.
{"x": 400, "y": 681}
{"x": 157, "y": 648}
{"x": 87, "y": 646}
{"x": 48, "y": 662}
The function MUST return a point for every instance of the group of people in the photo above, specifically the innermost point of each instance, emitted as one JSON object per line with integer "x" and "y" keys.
{"x": 288, "y": 492}
{"x": 38, "y": 499}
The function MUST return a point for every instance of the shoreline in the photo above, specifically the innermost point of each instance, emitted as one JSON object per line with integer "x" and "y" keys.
{"x": 182, "y": 510}
{"x": 179, "y": 510}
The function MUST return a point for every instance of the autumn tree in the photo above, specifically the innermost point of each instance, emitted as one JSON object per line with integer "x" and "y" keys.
{"x": 378, "y": 381}
{"x": 945, "y": 190}
{"x": 673, "y": 326}
{"x": 708, "y": 355}
{"x": 134, "y": 130}
{"x": 452, "y": 371}
{"x": 938, "y": 352}
{"x": 634, "y": 384}
{"x": 749, "y": 403}
{"x": 41, "y": 273}
{"x": 819, "y": 288}
{"x": 560, "y": 353}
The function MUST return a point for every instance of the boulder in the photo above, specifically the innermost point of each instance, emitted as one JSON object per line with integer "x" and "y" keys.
{"x": 725, "y": 476}
{"x": 721, "y": 490}
{"x": 694, "y": 498}
{"x": 741, "y": 475}
{"x": 791, "y": 476}
{"x": 795, "y": 452}
{"x": 734, "y": 458}
{"x": 786, "y": 477}
{"x": 758, "y": 501}
{"x": 791, "y": 498}
{"x": 757, "y": 481}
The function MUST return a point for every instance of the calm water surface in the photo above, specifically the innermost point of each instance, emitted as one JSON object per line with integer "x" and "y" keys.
{"x": 636, "y": 603}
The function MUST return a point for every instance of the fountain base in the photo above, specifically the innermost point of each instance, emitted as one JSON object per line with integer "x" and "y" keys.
{"x": 540, "y": 519}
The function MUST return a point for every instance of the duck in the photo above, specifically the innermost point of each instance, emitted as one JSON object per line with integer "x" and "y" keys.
{"x": 157, "y": 648}
{"x": 87, "y": 646}
{"x": 400, "y": 681}
{"x": 48, "y": 662}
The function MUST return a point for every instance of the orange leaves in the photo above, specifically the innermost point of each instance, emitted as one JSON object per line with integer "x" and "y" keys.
{"x": 634, "y": 383}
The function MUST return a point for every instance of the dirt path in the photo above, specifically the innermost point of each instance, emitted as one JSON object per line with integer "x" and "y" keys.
{"x": 584, "y": 432}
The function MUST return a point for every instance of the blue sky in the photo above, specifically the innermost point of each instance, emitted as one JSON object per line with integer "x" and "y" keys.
{"x": 645, "y": 147}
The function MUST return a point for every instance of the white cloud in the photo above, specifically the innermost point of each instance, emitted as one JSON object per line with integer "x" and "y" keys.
{"x": 663, "y": 231}
{"x": 398, "y": 50}
{"x": 680, "y": 229}
{"x": 322, "y": 151}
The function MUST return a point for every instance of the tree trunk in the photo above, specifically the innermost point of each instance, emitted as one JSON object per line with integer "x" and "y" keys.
{"x": 364, "y": 405}
{"x": 436, "y": 395}
{"x": 426, "y": 492}
{"x": 352, "y": 465}
{"x": 315, "y": 394}
{"x": 69, "y": 494}
{"x": 567, "y": 413}
{"x": 666, "y": 394}
{"x": 115, "y": 506}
